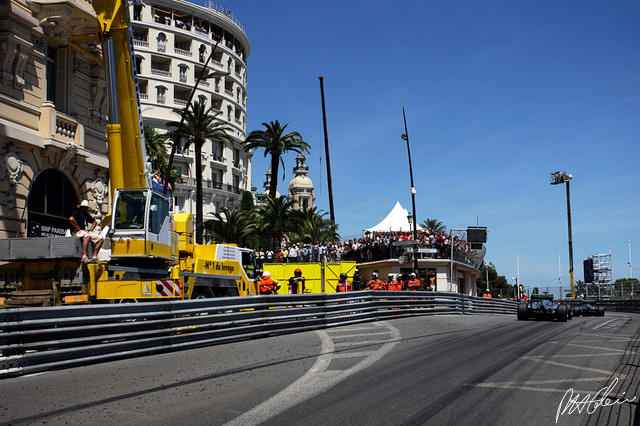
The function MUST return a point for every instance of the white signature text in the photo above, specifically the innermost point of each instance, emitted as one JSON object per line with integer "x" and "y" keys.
{"x": 571, "y": 403}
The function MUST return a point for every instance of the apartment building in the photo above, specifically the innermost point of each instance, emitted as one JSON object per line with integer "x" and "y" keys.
{"x": 173, "y": 40}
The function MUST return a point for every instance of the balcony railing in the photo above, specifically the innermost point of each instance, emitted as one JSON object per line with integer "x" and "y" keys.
{"x": 144, "y": 96}
{"x": 141, "y": 43}
{"x": 56, "y": 125}
{"x": 182, "y": 52}
{"x": 161, "y": 73}
{"x": 180, "y": 102}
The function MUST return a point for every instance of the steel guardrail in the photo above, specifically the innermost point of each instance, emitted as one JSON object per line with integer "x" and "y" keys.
{"x": 41, "y": 339}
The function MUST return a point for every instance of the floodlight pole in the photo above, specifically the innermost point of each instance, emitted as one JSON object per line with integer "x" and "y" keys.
{"x": 558, "y": 178}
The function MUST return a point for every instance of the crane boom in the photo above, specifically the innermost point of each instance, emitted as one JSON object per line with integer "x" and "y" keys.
{"x": 125, "y": 135}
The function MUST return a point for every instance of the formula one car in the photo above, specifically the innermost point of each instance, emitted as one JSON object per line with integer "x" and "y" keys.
{"x": 587, "y": 308}
{"x": 542, "y": 306}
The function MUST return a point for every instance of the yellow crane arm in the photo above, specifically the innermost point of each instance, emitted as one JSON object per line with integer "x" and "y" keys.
{"x": 125, "y": 135}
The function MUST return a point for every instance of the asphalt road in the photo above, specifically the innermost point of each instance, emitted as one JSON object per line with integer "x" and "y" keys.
{"x": 441, "y": 370}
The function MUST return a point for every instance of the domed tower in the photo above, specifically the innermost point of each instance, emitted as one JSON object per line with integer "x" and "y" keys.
{"x": 301, "y": 187}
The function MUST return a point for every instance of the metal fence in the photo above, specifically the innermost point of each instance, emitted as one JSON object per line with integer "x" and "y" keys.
{"x": 41, "y": 339}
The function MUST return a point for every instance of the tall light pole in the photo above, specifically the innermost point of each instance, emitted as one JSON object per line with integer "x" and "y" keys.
{"x": 558, "y": 178}
{"x": 405, "y": 136}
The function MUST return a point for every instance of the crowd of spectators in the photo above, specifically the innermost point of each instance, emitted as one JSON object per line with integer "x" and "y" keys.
{"x": 372, "y": 247}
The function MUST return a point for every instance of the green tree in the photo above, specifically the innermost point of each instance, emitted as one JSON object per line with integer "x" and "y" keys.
{"x": 230, "y": 226}
{"x": 156, "y": 146}
{"x": 246, "y": 204}
{"x": 315, "y": 227}
{"x": 434, "y": 225}
{"x": 200, "y": 125}
{"x": 277, "y": 218}
{"x": 497, "y": 284}
{"x": 275, "y": 142}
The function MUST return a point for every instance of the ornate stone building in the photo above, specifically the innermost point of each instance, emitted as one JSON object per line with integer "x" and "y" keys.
{"x": 53, "y": 149}
{"x": 52, "y": 116}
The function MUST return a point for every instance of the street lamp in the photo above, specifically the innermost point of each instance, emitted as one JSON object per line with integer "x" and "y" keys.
{"x": 405, "y": 137}
{"x": 558, "y": 178}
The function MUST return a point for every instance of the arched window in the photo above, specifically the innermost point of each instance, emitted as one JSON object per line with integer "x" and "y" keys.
{"x": 162, "y": 42}
{"x": 161, "y": 94}
{"x": 183, "y": 72}
{"x": 51, "y": 200}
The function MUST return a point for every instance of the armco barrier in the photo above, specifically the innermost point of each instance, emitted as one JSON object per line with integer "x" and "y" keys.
{"x": 42, "y": 339}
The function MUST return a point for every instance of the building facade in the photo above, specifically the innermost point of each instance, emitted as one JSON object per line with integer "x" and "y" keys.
{"x": 52, "y": 117}
{"x": 173, "y": 40}
{"x": 53, "y": 149}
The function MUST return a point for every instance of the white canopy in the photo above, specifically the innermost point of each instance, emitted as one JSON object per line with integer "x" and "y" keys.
{"x": 396, "y": 220}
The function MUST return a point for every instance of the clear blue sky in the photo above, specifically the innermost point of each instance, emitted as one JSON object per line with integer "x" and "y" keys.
{"x": 498, "y": 94}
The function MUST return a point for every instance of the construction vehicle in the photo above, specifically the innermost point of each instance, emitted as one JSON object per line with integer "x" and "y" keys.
{"x": 152, "y": 254}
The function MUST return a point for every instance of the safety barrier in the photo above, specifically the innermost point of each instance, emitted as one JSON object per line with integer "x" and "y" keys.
{"x": 41, "y": 339}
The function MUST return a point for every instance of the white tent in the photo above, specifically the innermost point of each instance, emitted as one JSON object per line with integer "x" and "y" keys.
{"x": 396, "y": 220}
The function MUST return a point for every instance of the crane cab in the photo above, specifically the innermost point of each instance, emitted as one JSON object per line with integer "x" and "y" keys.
{"x": 142, "y": 227}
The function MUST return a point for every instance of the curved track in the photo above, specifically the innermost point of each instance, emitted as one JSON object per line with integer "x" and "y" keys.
{"x": 447, "y": 369}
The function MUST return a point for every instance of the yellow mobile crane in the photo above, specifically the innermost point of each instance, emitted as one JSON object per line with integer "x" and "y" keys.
{"x": 152, "y": 255}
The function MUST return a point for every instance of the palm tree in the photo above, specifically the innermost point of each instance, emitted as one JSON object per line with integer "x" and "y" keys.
{"x": 275, "y": 142}
{"x": 315, "y": 227}
{"x": 156, "y": 147}
{"x": 278, "y": 218}
{"x": 155, "y": 144}
{"x": 230, "y": 226}
{"x": 199, "y": 126}
{"x": 434, "y": 225}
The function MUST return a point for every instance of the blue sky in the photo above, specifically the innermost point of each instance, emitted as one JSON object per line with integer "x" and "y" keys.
{"x": 498, "y": 94}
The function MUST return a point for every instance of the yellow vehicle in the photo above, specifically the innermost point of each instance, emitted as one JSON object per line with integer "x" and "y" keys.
{"x": 152, "y": 252}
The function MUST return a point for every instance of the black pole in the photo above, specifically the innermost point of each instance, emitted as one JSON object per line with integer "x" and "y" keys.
{"x": 326, "y": 149}
{"x": 176, "y": 139}
{"x": 570, "y": 240}
{"x": 413, "y": 197}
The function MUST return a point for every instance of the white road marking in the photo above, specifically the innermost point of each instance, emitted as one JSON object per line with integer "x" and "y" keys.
{"x": 604, "y": 323}
{"x": 315, "y": 381}
{"x": 561, "y": 364}
{"x": 352, "y": 354}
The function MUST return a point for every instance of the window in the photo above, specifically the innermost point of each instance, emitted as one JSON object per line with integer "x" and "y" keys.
{"x": 137, "y": 12}
{"x": 162, "y": 42}
{"x": 138, "y": 65}
{"x": 183, "y": 73}
{"x": 202, "y": 100}
{"x": 178, "y": 204}
{"x": 162, "y": 94}
{"x": 57, "y": 77}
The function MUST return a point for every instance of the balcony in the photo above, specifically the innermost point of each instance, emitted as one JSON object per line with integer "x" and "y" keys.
{"x": 180, "y": 102}
{"x": 161, "y": 73}
{"x": 141, "y": 43}
{"x": 143, "y": 96}
{"x": 61, "y": 127}
{"x": 182, "y": 52}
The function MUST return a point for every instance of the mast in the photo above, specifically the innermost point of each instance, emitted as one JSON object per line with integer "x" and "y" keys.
{"x": 326, "y": 149}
